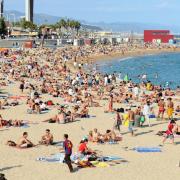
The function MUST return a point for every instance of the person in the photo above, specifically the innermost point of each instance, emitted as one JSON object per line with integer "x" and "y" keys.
{"x": 83, "y": 149}
{"x": 146, "y": 112}
{"x": 131, "y": 118}
{"x": 170, "y": 108}
{"x": 136, "y": 92}
{"x": 47, "y": 139}
{"x": 161, "y": 106}
{"x": 118, "y": 121}
{"x": 68, "y": 151}
{"x": 2, "y": 177}
{"x": 169, "y": 132}
{"x": 21, "y": 87}
{"x": 110, "y": 103}
{"x": 24, "y": 142}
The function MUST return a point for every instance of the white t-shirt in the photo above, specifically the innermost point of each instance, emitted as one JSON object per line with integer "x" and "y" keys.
{"x": 146, "y": 110}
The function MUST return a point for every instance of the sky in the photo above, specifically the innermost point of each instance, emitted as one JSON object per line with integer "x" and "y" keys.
{"x": 142, "y": 11}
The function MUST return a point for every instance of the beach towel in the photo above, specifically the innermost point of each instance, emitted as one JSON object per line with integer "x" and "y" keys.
{"x": 102, "y": 165}
{"x": 59, "y": 143}
{"x": 147, "y": 149}
{"x": 60, "y": 158}
{"x": 55, "y": 158}
{"x": 109, "y": 158}
{"x": 25, "y": 126}
{"x": 113, "y": 142}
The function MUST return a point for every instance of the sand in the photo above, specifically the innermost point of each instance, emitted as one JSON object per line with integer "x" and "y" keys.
{"x": 22, "y": 165}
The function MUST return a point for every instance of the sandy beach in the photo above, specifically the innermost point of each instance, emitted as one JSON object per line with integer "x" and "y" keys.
{"x": 21, "y": 164}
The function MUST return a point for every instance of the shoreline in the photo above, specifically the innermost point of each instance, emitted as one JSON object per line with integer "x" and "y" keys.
{"x": 134, "y": 53}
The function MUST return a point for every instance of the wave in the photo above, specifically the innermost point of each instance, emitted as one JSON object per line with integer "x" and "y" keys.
{"x": 126, "y": 58}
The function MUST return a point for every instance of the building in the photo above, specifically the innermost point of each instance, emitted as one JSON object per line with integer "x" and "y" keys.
{"x": 1, "y": 8}
{"x": 157, "y": 36}
{"x": 29, "y": 10}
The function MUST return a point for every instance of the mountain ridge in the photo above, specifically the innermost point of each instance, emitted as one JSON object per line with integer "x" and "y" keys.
{"x": 137, "y": 27}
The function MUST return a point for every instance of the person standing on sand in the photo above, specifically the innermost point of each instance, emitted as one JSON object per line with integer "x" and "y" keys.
{"x": 68, "y": 151}
{"x": 131, "y": 117}
{"x": 170, "y": 108}
{"x": 161, "y": 105}
{"x": 110, "y": 103}
{"x": 118, "y": 121}
{"x": 147, "y": 112}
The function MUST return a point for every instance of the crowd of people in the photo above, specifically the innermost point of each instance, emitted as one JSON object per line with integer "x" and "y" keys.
{"x": 66, "y": 73}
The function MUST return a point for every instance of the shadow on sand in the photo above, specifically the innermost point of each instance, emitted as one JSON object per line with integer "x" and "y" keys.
{"x": 10, "y": 167}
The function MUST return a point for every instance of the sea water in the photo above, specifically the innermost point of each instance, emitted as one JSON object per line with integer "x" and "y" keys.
{"x": 161, "y": 69}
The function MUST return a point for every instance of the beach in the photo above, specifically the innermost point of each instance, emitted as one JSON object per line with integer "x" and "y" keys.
{"x": 22, "y": 164}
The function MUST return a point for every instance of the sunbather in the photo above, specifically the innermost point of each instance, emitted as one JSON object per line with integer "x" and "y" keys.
{"x": 47, "y": 139}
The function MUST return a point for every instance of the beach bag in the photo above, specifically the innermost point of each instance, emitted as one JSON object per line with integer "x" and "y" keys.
{"x": 152, "y": 116}
{"x": 142, "y": 119}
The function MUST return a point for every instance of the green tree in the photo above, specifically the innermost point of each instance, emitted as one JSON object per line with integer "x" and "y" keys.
{"x": 77, "y": 26}
{"x": 27, "y": 25}
{"x": 3, "y": 29}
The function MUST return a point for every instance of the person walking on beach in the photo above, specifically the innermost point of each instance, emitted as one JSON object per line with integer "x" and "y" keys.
{"x": 169, "y": 132}
{"x": 68, "y": 151}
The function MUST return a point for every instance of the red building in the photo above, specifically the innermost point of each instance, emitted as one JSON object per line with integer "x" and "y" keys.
{"x": 160, "y": 36}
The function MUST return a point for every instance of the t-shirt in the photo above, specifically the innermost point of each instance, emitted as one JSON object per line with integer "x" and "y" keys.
{"x": 82, "y": 147}
{"x": 68, "y": 147}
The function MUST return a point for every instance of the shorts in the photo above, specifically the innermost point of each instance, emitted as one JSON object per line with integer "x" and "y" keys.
{"x": 170, "y": 136}
{"x": 130, "y": 127}
{"x": 170, "y": 112}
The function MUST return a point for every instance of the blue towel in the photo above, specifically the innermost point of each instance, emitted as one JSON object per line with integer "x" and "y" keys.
{"x": 110, "y": 158}
{"x": 147, "y": 149}
{"x": 25, "y": 126}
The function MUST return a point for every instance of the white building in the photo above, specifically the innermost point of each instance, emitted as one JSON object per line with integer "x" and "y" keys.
{"x": 29, "y": 7}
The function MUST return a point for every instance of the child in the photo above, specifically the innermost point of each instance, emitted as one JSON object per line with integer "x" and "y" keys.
{"x": 169, "y": 132}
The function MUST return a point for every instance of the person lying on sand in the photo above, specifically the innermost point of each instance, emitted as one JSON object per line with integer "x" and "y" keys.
{"x": 47, "y": 139}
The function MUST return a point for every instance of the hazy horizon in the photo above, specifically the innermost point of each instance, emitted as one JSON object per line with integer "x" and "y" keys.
{"x": 163, "y": 12}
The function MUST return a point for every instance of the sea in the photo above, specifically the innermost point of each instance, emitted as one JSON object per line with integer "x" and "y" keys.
{"x": 162, "y": 69}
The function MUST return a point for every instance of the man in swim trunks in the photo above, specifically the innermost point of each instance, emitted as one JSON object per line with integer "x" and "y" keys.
{"x": 131, "y": 117}
{"x": 161, "y": 105}
{"x": 47, "y": 139}
{"x": 170, "y": 108}
{"x": 24, "y": 142}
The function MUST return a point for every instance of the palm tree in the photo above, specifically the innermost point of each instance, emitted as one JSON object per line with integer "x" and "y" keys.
{"x": 77, "y": 26}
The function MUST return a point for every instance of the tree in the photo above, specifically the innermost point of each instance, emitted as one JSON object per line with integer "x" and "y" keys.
{"x": 3, "y": 29}
{"x": 77, "y": 26}
{"x": 27, "y": 25}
